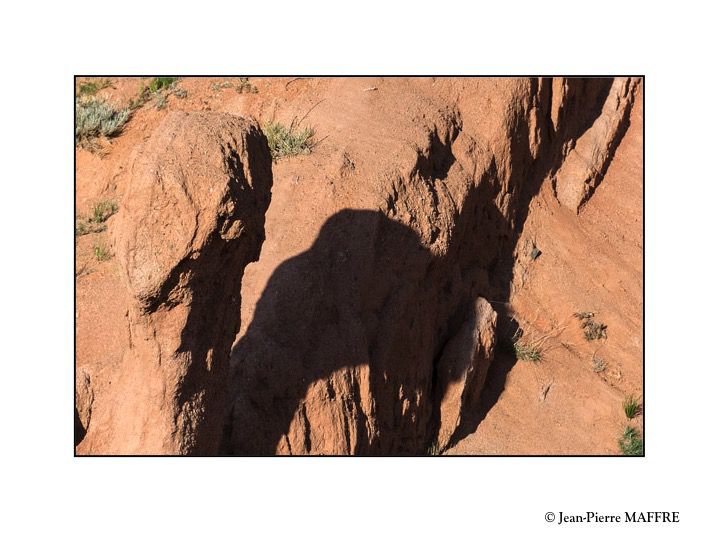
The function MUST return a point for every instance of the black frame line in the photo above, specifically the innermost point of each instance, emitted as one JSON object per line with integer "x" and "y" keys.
{"x": 275, "y": 76}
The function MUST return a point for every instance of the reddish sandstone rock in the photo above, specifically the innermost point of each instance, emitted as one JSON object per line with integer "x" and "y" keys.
{"x": 192, "y": 218}
{"x": 585, "y": 165}
{"x": 378, "y": 245}
{"x": 463, "y": 367}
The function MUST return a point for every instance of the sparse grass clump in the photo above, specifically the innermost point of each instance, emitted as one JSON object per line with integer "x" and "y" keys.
{"x": 220, "y": 86}
{"x": 527, "y": 352}
{"x": 95, "y": 118}
{"x": 288, "y": 141}
{"x": 159, "y": 83}
{"x": 245, "y": 87}
{"x": 81, "y": 226}
{"x": 157, "y": 87}
{"x": 593, "y": 330}
{"x": 632, "y": 407}
{"x": 102, "y": 210}
{"x": 91, "y": 88}
{"x": 102, "y": 252}
{"x": 525, "y": 348}
{"x": 631, "y": 444}
{"x": 160, "y": 101}
{"x": 95, "y": 222}
{"x": 598, "y": 364}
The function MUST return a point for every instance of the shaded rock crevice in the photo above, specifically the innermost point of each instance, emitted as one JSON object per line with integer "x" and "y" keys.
{"x": 587, "y": 162}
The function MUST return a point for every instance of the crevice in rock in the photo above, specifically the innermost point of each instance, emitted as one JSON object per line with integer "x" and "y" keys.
{"x": 397, "y": 302}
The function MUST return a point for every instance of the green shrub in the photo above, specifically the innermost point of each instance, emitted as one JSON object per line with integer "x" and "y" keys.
{"x": 96, "y": 117}
{"x": 102, "y": 210}
{"x": 631, "y": 444}
{"x": 593, "y": 330}
{"x": 288, "y": 141}
{"x": 90, "y": 88}
{"x": 102, "y": 253}
{"x": 159, "y": 83}
{"x": 161, "y": 102}
{"x": 81, "y": 227}
{"x": 94, "y": 223}
{"x": 631, "y": 406}
{"x": 524, "y": 348}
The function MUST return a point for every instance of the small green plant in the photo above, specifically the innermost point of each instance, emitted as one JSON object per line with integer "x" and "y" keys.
{"x": 631, "y": 406}
{"x": 81, "y": 227}
{"x": 526, "y": 349}
{"x": 245, "y": 87}
{"x": 288, "y": 141}
{"x": 95, "y": 222}
{"x": 593, "y": 330}
{"x": 631, "y": 444}
{"x": 95, "y": 118}
{"x": 102, "y": 210}
{"x": 159, "y": 83}
{"x": 91, "y": 88}
{"x": 102, "y": 252}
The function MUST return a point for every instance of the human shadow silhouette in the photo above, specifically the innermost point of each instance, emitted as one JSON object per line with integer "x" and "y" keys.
{"x": 360, "y": 319}
{"x": 366, "y": 294}
{"x": 332, "y": 308}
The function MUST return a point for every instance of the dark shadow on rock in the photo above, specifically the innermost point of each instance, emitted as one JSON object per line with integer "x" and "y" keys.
{"x": 586, "y": 97}
{"x": 80, "y": 430}
{"x": 368, "y": 293}
{"x": 505, "y": 359}
{"x": 328, "y": 308}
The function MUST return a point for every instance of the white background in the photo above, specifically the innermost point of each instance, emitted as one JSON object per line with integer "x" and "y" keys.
{"x": 46, "y": 493}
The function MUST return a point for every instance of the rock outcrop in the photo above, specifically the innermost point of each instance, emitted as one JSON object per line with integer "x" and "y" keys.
{"x": 84, "y": 398}
{"x": 362, "y": 344}
{"x": 583, "y": 168}
{"x": 191, "y": 220}
{"x": 462, "y": 369}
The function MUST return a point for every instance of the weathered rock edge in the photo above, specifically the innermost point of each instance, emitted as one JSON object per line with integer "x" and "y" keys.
{"x": 192, "y": 218}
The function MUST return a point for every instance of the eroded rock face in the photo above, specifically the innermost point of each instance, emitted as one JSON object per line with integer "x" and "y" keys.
{"x": 191, "y": 220}
{"x": 585, "y": 165}
{"x": 84, "y": 398}
{"x": 463, "y": 367}
{"x": 362, "y": 343}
